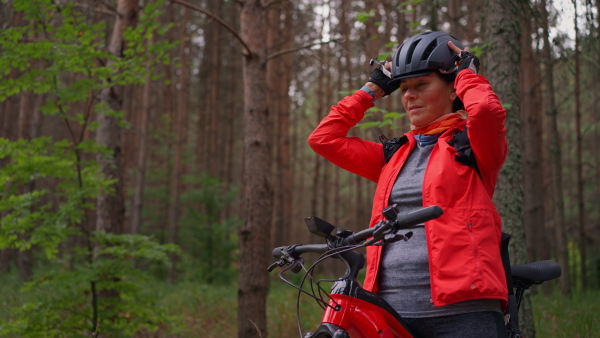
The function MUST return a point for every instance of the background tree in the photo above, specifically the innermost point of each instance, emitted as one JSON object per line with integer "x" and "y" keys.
{"x": 503, "y": 34}
{"x": 258, "y": 188}
{"x": 242, "y": 139}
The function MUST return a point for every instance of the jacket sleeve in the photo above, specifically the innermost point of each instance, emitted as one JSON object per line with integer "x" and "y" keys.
{"x": 486, "y": 129}
{"x": 330, "y": 139}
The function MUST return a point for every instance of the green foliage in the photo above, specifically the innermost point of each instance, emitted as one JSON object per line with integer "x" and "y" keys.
{"x": 408, "y": 6}
{"x": 61, "y": 54}
{"x": 363, "y": 17}
{"x": 388, "y": 119}
{"x": 33, "y": 220}
{"x": 61, "y": 305}
{"x": 48, "y": 188}
{"x": 48, "y": 224}
{"x": 210, "y": 241}
{"x": 479, "y": 49}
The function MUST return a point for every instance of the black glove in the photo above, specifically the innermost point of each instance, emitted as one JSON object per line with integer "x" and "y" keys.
{"x": 383, "y": 81}
{"x": 466, "y": 60}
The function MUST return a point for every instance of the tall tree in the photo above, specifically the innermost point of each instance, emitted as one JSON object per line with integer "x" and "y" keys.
{"x": 555, "y": 165}
{"x": 258, "y": 189}
{"x": 531, "y": 116}
{"x": 503, "y": 34}
{"x": 180, "y": 129}
{"x": 142, "y": 151}
{"x": 279, "y": 77}
{"x": 579, "y": 160}
{"x": 111, "y": 207}
{"x": 212, "y": 107}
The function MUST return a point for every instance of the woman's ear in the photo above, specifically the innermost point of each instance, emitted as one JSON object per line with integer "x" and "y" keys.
{"x": 453, "y": 96}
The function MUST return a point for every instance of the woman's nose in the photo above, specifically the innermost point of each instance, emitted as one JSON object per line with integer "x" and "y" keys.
{"x": 409, "y": 94}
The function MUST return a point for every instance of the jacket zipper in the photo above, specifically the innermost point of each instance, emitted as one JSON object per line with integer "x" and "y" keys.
{"x": 475, "y": 250}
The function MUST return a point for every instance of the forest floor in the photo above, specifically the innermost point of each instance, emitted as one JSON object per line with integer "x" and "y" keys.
{"x": 210, "y": 310}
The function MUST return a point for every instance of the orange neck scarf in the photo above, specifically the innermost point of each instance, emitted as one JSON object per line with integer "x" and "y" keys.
{"x": 441, "y": 124}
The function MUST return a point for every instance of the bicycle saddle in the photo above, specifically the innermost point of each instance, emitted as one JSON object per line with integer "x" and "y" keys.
{"x": 537, "y": 272}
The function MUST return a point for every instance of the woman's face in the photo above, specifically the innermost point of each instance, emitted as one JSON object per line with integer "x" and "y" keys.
{"x": 426, "y": 98}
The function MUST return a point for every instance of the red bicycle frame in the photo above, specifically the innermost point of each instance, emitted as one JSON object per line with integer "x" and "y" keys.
{"x": 360, "y": 314}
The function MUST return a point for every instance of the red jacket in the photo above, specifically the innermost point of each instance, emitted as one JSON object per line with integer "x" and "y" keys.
{"x": 464, "y": 243}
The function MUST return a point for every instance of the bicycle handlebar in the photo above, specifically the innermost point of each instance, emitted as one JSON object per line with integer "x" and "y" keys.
{"x": 377, "y": 232}
{"x": 302, "y": 248}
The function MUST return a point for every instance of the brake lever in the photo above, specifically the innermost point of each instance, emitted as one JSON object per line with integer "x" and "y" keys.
{"x": 381, "y": 66}
{"x": 394, "y": 237}
{"x": 279, "y": 263}
{"x": 295, "y": 263}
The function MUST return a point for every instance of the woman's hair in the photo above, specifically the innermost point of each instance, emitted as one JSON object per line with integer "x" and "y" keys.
{"x": 449, "y": 78}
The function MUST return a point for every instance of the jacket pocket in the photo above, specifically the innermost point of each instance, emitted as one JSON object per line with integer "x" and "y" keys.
{"x": 475, "y": 247}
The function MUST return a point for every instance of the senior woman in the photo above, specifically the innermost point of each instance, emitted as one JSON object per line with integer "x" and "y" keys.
{"x": 448, "y": 279}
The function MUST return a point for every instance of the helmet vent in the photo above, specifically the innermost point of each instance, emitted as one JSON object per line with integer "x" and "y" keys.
{"x": 429, "y": 49}
{"x": 411, "y": 50}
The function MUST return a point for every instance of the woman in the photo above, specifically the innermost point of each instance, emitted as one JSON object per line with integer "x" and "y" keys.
{"x": 447, "y": 280}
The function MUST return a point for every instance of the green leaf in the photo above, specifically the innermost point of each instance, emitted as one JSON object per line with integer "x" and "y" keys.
{"x": 363, "y": 17}
{"x": 366, "y": 125}
{"x": 393, "y": 115}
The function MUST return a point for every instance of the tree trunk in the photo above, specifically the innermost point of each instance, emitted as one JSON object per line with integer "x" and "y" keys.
{"x": 111, "y": 207}
{"x": 555, "y": 166}
{"x": 180, "y": 133}
{"x": 454, "y": 16}
{"x": 258, "y": 190}
{"x": 168, "y": 108}
{"x": 229, "y": 174}
{"x": 140, "y": 178}
{"x": 579, "y": 165}
{"x": 531, "y": 116}
{"x": 279, "y": 77}
{"x": 214, "y": 110}
{"x": 503, "y": 33}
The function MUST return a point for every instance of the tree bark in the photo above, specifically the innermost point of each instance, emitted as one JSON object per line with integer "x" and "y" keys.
{"x": 111, "y": 207}
{"x": 579, "y": 161}
{"x": 531, "y": 116}
{"x": 555, "y": 166}
{"x": 212, "y": 99}
{"x": 180, "y": 139}
{"x": 279, "y": 77}
{"x": 258, "y": 189}
{"x": 454, "y": 16}
{"x": 140, "y": 178}
{"x": 503, "y": 34}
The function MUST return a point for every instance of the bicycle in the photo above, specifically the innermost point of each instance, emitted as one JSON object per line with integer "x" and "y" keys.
{"x": 350, "y": 310}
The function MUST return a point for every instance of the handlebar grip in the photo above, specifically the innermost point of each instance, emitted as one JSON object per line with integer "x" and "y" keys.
{"x": 277, "y": 251}
{"x": 299, "y": 249}
{"x": 419, "y": 216}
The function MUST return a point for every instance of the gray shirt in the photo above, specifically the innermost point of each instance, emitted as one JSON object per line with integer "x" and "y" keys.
{"x": 403, "y": 277}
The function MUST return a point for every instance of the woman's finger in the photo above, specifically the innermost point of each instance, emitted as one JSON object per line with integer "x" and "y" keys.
{"x": 453, "y": 47}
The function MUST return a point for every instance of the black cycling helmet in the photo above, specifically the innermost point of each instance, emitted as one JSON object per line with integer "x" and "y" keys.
{"x": 422, "y": 54}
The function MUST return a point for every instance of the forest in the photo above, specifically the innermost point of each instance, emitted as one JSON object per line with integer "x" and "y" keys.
{"x": 153, "y": 152}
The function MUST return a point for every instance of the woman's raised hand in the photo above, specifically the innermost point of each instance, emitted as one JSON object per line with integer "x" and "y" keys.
{"x": 464, "y": 59}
